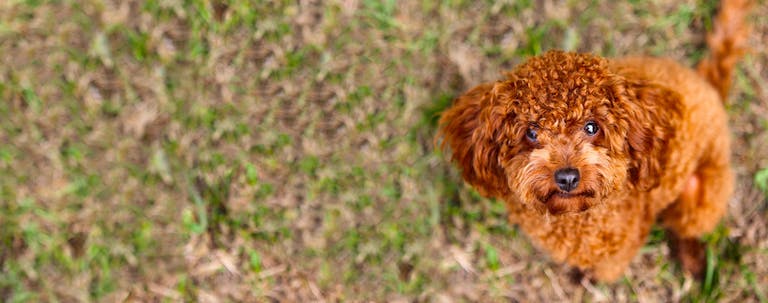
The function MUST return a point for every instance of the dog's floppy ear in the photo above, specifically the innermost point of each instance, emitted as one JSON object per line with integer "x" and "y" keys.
{"x": 471, "y": 128}
{"x": 652, "y": 112}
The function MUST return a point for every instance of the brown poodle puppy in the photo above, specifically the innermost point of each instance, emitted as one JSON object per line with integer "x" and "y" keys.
{"x": 589, "y": 152}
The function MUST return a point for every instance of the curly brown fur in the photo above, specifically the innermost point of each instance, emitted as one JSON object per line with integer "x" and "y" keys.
{"x": 589, "y": 152}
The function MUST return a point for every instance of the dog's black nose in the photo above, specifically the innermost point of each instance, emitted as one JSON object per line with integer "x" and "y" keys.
{"x": 567, "y": 178}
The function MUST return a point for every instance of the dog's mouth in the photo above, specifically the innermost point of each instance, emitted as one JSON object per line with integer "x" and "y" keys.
{"x": 565, "y": 195}
{"x": 559, "y": 202}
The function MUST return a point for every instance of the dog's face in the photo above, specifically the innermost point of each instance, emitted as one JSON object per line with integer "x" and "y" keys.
{"x": 560, "y": 156}
{"x": 561, "y": 134}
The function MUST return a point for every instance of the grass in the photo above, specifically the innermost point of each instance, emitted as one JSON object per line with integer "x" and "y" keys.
{"x": 283, "y": 151}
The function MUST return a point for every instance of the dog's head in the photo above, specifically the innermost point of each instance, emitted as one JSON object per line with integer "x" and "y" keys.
{"x": 562, "y": 133}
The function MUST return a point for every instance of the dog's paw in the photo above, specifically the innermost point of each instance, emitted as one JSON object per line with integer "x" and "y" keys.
{"x": 690, "y": 253}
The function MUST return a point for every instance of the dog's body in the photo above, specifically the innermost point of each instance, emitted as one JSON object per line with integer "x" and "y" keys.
{"x": 589, "y": 153}
{"x": 605, "y": 238}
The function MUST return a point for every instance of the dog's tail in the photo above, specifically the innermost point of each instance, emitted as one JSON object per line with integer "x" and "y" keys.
{"x": 727, "y": 44}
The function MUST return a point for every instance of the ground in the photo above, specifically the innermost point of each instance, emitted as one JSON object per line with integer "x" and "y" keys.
{"x": 225, "y": 151}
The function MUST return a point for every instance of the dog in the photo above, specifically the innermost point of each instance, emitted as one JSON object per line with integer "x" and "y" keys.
{"x": 588, "y": 152}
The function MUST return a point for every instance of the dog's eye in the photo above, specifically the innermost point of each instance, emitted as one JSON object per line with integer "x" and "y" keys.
{"x": 531, "y": 135}
{"x": 591, "y": 128}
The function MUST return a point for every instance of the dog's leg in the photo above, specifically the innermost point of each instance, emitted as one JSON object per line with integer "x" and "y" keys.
{"x": 613, "y": 267}
{"x": 698, "y": 210}
{"x": 689, "y": 252}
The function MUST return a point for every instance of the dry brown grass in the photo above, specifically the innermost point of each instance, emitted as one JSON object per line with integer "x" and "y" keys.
{"x": 282, "y": 151}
